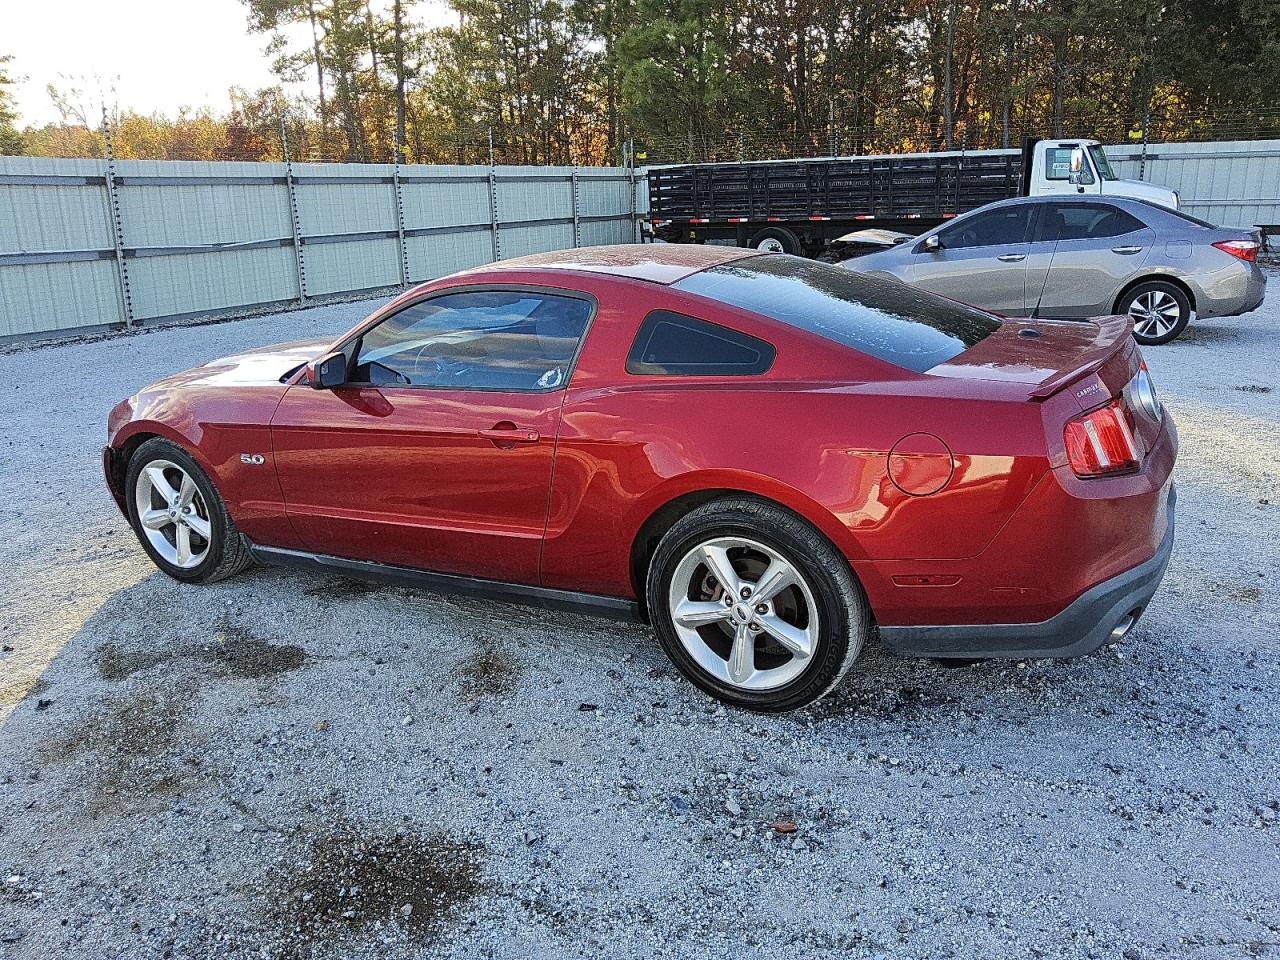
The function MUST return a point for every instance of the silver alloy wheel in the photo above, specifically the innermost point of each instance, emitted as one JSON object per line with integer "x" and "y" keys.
{"x": 744, "y": 613}
{"x": 172, "y": 514}
{"x": 1154, "y": 313}
{"x": 771, "y": 245}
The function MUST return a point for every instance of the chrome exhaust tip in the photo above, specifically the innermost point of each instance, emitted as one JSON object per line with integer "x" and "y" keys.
{"x": 1121, "y": 629}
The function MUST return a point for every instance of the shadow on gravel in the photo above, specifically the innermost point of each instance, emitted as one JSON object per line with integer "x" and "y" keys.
{"x": 1203, "y": 335}
{"x": 357, "y": 881}
{"x": 14, "y": 692}
{"x": 342, "y": 588}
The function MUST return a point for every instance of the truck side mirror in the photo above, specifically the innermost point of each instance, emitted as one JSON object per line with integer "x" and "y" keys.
{"x": 1076, "y": 176}
{"x": 931, "y": 244}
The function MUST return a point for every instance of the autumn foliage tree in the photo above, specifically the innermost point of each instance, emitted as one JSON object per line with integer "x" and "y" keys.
{"x": 572, "y": 81}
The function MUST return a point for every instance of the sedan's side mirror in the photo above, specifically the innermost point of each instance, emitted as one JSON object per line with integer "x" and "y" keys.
{"x": 328, "y": 372}
{"x": 931, "y": 244}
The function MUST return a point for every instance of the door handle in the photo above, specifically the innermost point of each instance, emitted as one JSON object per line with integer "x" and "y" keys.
{"x": 1011, "y": 257}
{"x": 1127, "y": 251}
{"x": 510, "y": 434}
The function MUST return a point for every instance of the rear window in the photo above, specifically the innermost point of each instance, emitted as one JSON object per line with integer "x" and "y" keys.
{"x": 1180, "y": 214}
{"x": 885, "y": 318}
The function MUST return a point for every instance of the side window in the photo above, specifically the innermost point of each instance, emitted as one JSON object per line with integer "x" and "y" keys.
{"x": 1057, "y": 165}
{"x": 671, "y": 344}
{"x": 1086, "y": 221}
{"x": 477, "y": 340}
{"x": 989, "y": 228}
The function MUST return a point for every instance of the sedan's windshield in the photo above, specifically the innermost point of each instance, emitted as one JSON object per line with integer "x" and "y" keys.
{"x": 885, "y": 318}
{"x": 1101, "y": 162}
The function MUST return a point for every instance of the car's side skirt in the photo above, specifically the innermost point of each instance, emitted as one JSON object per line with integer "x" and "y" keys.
{"x": 591, "y": 604}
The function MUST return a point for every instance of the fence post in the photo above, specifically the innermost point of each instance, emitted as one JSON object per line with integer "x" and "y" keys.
{"x": 577, "y": 227}
{"x": 295, "y": 219}
{"x": 117, "y": 226}
{"x": 395, "y": 179}
{"x": 493, "y": 214}
{"x": 1146, "y": 135}
{"x": 631, "y": 175}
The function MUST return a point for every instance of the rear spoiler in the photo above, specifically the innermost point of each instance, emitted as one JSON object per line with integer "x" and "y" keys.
{"x": 1114, "y": 333}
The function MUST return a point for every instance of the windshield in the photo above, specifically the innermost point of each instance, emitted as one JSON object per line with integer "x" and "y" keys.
{"x": 1101, "y": 162}
{"x": 885, "y": 318}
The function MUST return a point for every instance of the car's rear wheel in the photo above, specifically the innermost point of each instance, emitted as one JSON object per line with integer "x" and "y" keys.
{"x": 755, "y": 606}
{"x": 1160, "y": 311}
{"x": 179, "y": 517}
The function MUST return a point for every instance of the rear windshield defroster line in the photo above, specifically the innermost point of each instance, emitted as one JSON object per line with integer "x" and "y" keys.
{"x": 884, "y": 318}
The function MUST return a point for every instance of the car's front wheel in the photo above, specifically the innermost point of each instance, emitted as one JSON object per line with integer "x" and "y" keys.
{"x": 1160, "y": 311}
{"x": 755, "y": 606}
{"x": 179, "y": 517}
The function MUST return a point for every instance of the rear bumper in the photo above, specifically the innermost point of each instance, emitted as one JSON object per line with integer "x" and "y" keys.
{"x": 1231, "y": 293}
{"x": 1085, "y": 625}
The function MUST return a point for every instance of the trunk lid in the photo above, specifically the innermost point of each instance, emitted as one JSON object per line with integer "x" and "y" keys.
{"x": 1096, "y": 357}
{"x": 1069, "y": 367}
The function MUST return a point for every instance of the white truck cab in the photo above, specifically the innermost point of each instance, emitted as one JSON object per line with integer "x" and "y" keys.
{"x": 1081, "y": 166}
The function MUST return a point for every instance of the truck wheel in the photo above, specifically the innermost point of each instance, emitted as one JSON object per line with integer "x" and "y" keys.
{"x": 776, "y": 240}
{"x": 1160, "y": 311}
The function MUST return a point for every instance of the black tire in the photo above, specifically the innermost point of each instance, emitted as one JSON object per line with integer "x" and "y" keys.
{"x": 771, "y": 238}
{"x": 226, "y": 553}
{"x": 843, "y": 616}
{"x": 1151, "y": 293}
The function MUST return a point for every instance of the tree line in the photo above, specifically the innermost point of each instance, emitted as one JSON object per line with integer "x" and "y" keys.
{"x": 582, "y": 81}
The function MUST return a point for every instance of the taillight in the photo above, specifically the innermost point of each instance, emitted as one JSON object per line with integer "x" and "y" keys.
{"x": 1244, "y": 249}
{"x": 1100, "y": 443}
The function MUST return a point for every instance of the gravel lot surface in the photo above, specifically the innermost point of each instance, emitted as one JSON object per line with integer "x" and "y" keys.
{"x": 292, "y": 766}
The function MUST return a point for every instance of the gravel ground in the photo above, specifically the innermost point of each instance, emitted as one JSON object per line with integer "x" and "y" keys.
{"x": 292, "y": 766}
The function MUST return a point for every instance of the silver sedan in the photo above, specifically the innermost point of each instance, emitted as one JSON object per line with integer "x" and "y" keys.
{"x": 1069, "y": 257}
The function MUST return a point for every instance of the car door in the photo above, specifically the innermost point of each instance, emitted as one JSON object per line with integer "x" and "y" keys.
{"x": 1098, "y": 247}
{"x": 437, "y": 453}
{"x": 981, "y": 261}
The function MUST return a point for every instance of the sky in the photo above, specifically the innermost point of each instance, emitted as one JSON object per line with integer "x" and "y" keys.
{"x": 159, "y": 54}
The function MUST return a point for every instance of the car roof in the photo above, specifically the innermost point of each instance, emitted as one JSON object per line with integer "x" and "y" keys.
{"x": 1107, "y": 198}
{"x": 664, "y": 263}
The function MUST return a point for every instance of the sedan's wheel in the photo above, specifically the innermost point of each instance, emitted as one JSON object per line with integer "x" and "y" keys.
{"x": 755, "y": 606}
{"x": 178, "y": 516}
{"x": 1160, "y": 312}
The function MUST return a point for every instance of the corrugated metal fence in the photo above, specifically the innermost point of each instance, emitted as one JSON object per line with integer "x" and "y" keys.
{"x": 87, "y": 244}
{"x": 92, "y": 244}
{"x": 1233, "y": 183}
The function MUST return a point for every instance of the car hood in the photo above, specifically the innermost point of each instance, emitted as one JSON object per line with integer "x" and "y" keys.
{"x": 262, "y": 364}
{"x": 1141, "y": 190}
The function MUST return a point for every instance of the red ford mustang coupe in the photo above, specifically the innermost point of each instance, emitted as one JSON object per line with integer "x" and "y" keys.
{"x": 766, "y": 458}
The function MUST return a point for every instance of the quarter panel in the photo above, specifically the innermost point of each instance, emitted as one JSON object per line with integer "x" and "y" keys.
{"x": 626, "y": 450}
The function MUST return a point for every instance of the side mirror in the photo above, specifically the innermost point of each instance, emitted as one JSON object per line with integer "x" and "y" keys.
{"x": 1076, "y": 176}
{"x": 931, "y": 244}
{"x": 328, "y": 372}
